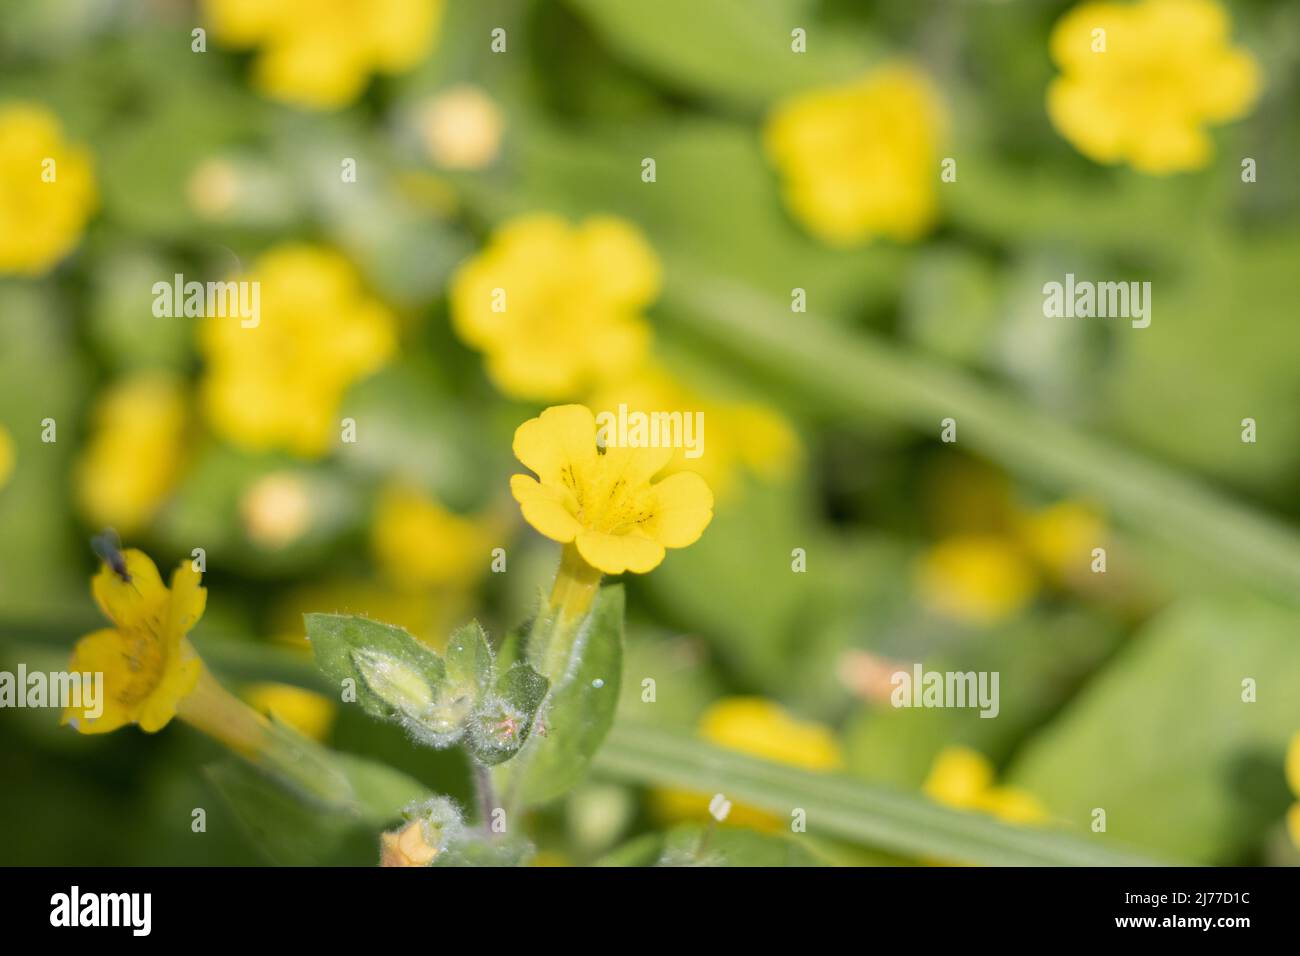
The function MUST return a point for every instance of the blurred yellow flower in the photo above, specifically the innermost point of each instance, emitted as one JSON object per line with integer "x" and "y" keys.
{"x": 1140, "y": 82}
{"x": 1061, "y": 537}
{"x": 741, "y": 436}
{"x": 47, "y": 190}
{"x": 760, "y": 728}
{"x": 605, "y": 503}
{"x": 276, "y": 509}
{"x": 135, "y": 451}
{"x": 980, "y": 579}
{"x": 860, "y": 160}
{"x": 307, "y": 712}
{"x": 963, "y": 778}
{"x": 279, "y": 384}
{"x": 6, "y": 456}
{"x": 420, "y": 544}
{"x": 556, "y": 308}
{"x": 148, "y": 664}
{"x": 1293, "y": 779}
{"x": 461, "y": 128}
{"x": 320, "y": 53}
{"x": 213, "y": 188}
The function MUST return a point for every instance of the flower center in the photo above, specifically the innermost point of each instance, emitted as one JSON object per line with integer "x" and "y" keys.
{"x": 145, "y": 659}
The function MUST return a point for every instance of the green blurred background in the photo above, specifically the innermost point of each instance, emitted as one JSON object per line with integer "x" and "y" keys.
{"x": 1120, "y": 691}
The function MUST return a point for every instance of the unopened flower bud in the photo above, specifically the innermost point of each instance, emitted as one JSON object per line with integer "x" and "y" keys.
{"x": 400, "y": 686}
{"x": 406, "y": 847}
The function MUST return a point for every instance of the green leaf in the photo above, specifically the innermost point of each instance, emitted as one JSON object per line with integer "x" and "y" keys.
{"x": 866, "y": 377}
{"x": 468, "y": 660}
{"x": 840, "y": 807}
{"x": 1197, "y": 772}
{"x": 577, "y": 715}
{"x": 738, "y": 51}
{"x": 395, "y": 676}
{"x": 693, "y": 844}
{"x": 294, "y": 831}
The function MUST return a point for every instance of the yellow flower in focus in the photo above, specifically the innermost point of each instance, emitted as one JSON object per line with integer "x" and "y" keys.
{"x": 461, "y": 128}
{"x": 555, "y": 308}
{"x": 6, "y": 456}
{"x": 860, "y": 160}
{"x": 736, "y": 436}
{"x": 1293, "y": 780}
{"x": 148, "y": 664}
{"x": 307, "y": 712}
{"x": 980, "y": 579}
{"x": 320, "y": 53}
{"x": 420, "y": 544}
{"x": 47, "y": 190}
{"x": 760, "y": 728}
{"x": 963, "y": 778}
{"x": 135, "y": 451}
{"x": 1167, "y": 71}
{"x": 278, "y": 384}
{"x": 605, "y": 503}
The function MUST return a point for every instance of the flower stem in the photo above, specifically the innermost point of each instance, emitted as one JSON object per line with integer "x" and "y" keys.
{"x": 225, "y": 718}
{"x": 213, "y": 710}
{"x": 551, "y": 644}
{"x": 487, "y": 797}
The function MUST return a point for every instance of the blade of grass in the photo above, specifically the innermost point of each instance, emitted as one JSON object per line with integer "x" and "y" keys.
{"x": 848, "y": 809}
{"x": 866, "y": 378}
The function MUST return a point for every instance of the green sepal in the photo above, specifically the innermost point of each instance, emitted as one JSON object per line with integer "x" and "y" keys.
{"x": 502, "y": 724}
{"x": 393, "y": 675}
{"x": 580, "y": 710}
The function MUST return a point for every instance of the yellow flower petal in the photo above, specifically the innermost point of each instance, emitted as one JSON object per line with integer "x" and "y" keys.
{"x": 99, "y": 652}
{"x": 763, "y": 728}
{"x": 279, "y": 383}
{"x": 615, "y": 554}
{"x": 6, "y": 456}
{"x": 556, "y": 308}
{"x": 683, "y": 508}
{"x": 320, "y": 55}
{"x": 559, "y": 444}
{"x": 49, "y": 190}
{"x": 140, "y": 603}
{"x": 858, "y": 160}
{"x": 1139, "y": 82}
{"x": 543, "y": 507}
{"x": 188, "y": 599}
{"x": 754, "y": 725}
{"x": 1293, "y": 765}
{"x": 621, "y": 262}
{"x": 959, "y": 777}
{"x": 309, "y": 713}
{"x": 1011, "y": 804}
{"x": 1229, "y": 86}
{"x": 177, "y": 682}
{"x": 981, "y": 579}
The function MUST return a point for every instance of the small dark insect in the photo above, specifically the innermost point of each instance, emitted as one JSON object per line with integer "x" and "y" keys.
{"x": 108, "y": 547}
